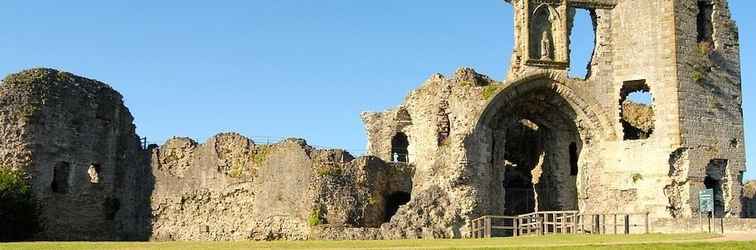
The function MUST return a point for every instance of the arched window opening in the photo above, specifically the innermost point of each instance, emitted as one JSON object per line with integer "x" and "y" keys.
{"x": 574, "y": 169}
{"x": 399, "y": 148}
{"x": 582, "y": 43}
{"x": 636, "y": 110}
{"x": 61, "y": 172}
{"x": 740, "y": 177}
{"x": 403, "y": 118}
{"x": 393, "y": 202}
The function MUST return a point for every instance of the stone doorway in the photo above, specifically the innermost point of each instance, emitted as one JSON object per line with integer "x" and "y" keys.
{"x": 393, "y": 202}
{"x": 715, "y": 180}
{"x": 537, "y": 145}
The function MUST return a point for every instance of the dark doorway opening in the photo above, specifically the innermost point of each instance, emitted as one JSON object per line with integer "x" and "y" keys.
{"x": 111, "y": 206}
{"x": 524, "y": 150}
{"x": 393, "y": 202}
{"x": 715, "y": 173}
{"x": 399, "y": 148}
{"x": 574, "y": 168}
{"x": 60, "y": 184}
{"x": 532, "y": 137}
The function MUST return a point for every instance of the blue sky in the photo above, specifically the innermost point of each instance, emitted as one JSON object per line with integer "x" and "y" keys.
{"x": 284, "y": 68}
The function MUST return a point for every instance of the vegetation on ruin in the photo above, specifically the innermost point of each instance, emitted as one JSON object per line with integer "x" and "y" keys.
{"x": 704, "y": 49}
{"x": 257, "y": 157}
{"x": 316, "y": 217}
{"x": 27, "y": 111}
{"x": 373, "y": 199}
{"x": 237, "y": 168}
{"x": 490, "y": 91}
{"x": 330, "y": 171}
{"x": 260, "y": 155}
{"x": 697, "y": 76}
{"x": 613, "y": 242}
{"x": 703, "y": 66}
{"x": 466, "y": 83}
{"x": 236, "y": 172}
{"x": 18, "y": 215}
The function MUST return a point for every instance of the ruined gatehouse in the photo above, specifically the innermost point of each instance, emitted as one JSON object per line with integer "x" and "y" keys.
{"x": 459, "y": 147}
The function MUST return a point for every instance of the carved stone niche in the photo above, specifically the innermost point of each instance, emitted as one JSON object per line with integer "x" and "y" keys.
{"x": 546, "y": 33}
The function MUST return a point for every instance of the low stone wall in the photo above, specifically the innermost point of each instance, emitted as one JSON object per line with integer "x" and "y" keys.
{"x": 345, "y": 233}
{"x": 693, "y": 225}
{"x": 230, "y": 188}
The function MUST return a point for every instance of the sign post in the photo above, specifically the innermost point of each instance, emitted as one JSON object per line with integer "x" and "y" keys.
{"x": 706, "y": 204}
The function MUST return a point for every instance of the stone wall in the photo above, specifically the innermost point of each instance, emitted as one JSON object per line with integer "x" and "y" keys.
{"x": 76, "y": 140}
{"x": 440, "y": 158}
{"x": 696, "y": 225}
{"x": 640, "y": 46}
{"x": 230, "y": 188}
{"x": 93, "y": 180}
{"x": 457, "y": 148}
{"x": 710, "y": 97}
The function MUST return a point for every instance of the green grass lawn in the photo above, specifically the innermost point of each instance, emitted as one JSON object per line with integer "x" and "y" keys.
{"x": 654, "y": 241}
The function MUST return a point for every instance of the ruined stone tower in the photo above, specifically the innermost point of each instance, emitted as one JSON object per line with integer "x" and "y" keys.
{"x": 542, "y": 140}
{"x": 76, "y": 141}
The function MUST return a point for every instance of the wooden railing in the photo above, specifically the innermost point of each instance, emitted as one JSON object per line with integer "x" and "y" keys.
{"x": 529, "y": 224}
{"x": 485, "y": 227}
{"x": 559, "y": 222}
{"x": 615, "y": 223}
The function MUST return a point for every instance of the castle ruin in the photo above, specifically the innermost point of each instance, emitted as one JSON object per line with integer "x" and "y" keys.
{"x": 458, "y": 148}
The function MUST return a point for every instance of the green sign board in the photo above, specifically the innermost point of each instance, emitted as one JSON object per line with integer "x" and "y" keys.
{"x": 706, "y": 201}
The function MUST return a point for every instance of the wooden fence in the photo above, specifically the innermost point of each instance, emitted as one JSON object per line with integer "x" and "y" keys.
{"x": 559, "y": 222}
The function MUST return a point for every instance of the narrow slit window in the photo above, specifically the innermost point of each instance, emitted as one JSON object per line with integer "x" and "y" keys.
{"x": 574, "y": 168}
{"x": 61, "y": 172}
{"x": 704, "y": 22}
{"x": 582, "y": 43}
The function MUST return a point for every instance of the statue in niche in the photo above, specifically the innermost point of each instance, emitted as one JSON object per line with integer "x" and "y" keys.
{"x": 546, "y": 46}
{"x": 541, "y": 32}
{"x": 94, "y": 175}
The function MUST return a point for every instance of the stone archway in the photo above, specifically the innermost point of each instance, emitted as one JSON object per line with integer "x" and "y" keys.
{"x": 531, "y": 142}
{"x": 533, "y": 136}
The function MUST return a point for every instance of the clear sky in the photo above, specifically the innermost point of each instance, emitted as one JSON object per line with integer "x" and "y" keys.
{"x": 283, "y": 68}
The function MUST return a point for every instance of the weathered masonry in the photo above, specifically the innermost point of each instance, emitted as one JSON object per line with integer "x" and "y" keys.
{"x": 656, "y": 118}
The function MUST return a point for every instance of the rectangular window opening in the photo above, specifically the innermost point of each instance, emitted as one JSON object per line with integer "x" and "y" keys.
{"x": 705, "y": 22}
